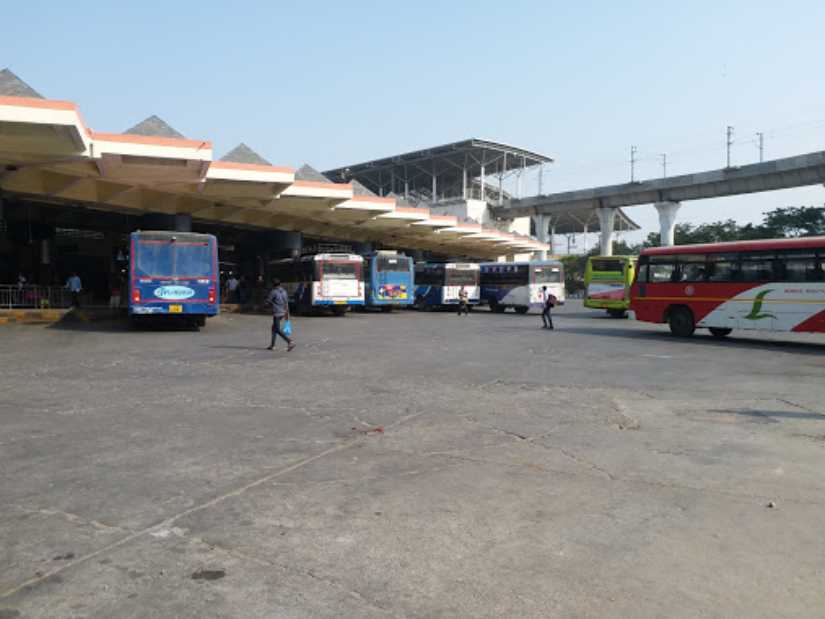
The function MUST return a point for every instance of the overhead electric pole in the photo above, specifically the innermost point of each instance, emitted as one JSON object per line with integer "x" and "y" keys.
{"x": 632, "y": 164}
{"x": 664, "y": 164}
{"x": 729, "y": 141}
{"x": 761, "y": 137}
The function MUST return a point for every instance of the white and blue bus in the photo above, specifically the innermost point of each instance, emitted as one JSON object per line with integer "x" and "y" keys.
{"x": 519, "y": 284}
{"x": 389, "y": 280}
{"x": 437, "y": 284}
{"x": 321, "y": 281}
{"x": 173, "y": 275}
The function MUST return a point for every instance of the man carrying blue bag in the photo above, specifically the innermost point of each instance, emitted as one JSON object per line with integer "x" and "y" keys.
{"x": 281, "y": 325}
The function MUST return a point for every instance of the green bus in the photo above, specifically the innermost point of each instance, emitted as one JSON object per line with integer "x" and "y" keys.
{"x": 607, "y": 281}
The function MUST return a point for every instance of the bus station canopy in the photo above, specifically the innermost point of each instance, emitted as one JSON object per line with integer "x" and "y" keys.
{"x": 451, "y": 169}
{"x": 49, "y": 154}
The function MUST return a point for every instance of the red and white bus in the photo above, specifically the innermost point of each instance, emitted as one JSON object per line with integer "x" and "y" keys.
{"x": 771, "y": 285}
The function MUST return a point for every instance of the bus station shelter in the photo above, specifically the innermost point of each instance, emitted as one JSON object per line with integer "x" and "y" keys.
{"x": 68, "y": 193}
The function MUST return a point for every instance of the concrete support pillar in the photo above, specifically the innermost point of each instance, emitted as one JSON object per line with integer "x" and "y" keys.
{"x": 481, "y": 181}
{"x": 667, "y": 221}
{"x": 541, "y": 233}
{"x": 607, "y": 216}
{"x": 464, "y": 183}
{"x": 552, "y": 239}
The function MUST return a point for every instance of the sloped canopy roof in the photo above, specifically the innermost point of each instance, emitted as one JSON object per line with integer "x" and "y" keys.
{"x": 447, "y": 163}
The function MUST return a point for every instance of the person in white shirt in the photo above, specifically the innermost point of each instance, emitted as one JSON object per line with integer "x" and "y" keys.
{"x": 549, "y": 303}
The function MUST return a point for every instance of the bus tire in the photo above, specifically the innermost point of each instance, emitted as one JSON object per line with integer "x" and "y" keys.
{"x": 201, "y": 321}
{"x": 496, "y": 308}
{"x": 680, "y": 320}
{"x": 521, "y": 309}
{"x": 617, "y": 313}
{"x": 719, "y": 332}
{"x": 386, "y": 309}
{"x": 339, "y": 310}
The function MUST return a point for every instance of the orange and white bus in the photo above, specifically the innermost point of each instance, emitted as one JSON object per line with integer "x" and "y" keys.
{"x": 767, "y": 285}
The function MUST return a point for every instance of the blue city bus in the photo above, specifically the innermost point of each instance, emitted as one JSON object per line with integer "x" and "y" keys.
{"x": 389, "y": 280}
{"x": 437, "y": 284}
{"x": 321, "y": 281}
{"x": 519, "y": 284}
{"x": 173, "y": 275}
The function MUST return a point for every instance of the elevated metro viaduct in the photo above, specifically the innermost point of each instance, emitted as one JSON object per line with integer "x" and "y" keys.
{"x": 59, "y": 178}
{"x": 667, "y": 194}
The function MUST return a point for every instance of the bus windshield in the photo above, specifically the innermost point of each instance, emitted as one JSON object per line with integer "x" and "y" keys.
{"x": 461, "y": 277}
{"x": 395, "y": 264}
{"x": 173, "y": 259}
{"x": 547, "y": 275}
{"x": 339, "y": 270}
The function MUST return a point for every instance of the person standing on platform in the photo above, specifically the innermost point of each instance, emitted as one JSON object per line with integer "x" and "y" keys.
{"x": 546, "y": 312}
{"x": 463, "y": 298}
{"x": 279, "y": 300}
{"x": 232, "y": 288}
{"x": 75, "y": 286}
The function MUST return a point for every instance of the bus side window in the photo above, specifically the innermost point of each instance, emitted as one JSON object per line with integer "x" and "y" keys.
{"x": 693, "y": 272}
{"x": 800, "y": 270}
{"x": 658, "y": 273}
{"x": 757, "y": 270}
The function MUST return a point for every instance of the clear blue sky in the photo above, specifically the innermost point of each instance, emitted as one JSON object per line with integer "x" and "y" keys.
{"x": 333, "y": 83}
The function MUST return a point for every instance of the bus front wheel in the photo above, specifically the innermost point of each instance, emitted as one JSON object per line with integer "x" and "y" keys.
{"x": 496, "y": 308}
{"x": 521, "y": 309}
{"x": 339, "y": 310}
{"x": 681, "y": 322}
{"x": 617, "y": 313}
{"x": 719, "y": 331}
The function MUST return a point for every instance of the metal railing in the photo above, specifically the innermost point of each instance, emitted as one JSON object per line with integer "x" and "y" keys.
{"x": 38, "y": 297}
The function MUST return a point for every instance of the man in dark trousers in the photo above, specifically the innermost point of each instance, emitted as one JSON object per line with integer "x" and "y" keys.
{"x": 463, "y": 298}
{"x": 549, "y": 304}
{"x": 279, "y": 300}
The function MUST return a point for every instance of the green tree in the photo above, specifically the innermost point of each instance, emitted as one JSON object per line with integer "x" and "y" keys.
{"x": 795, "y": 221}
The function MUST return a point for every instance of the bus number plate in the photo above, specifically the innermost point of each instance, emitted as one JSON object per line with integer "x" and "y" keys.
{"x": 176, "y": 309}
{"x": 339, "y": 302}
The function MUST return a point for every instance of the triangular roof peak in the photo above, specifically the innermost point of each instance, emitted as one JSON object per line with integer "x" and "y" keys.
{"x": 154, "y": 126}
{"x": 13, "y": 86}
{"x": 307, "y": 173}
{"x": 243, "y": 154}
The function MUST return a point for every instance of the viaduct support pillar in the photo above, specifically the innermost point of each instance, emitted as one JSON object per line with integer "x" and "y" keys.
{"x": 607, "y": 217}
{"x": 541, "y": 233}
{"x": 667, "y": 221}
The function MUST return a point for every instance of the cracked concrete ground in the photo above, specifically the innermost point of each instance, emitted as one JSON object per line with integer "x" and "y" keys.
{"x": 411, "y": 465}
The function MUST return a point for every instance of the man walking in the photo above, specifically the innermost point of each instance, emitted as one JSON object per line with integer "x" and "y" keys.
{"x": 549, "y": 304}
{"x": 75, "y": 286}
{"x": 279, "y": 300}
{"x": 463, "y": 297}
